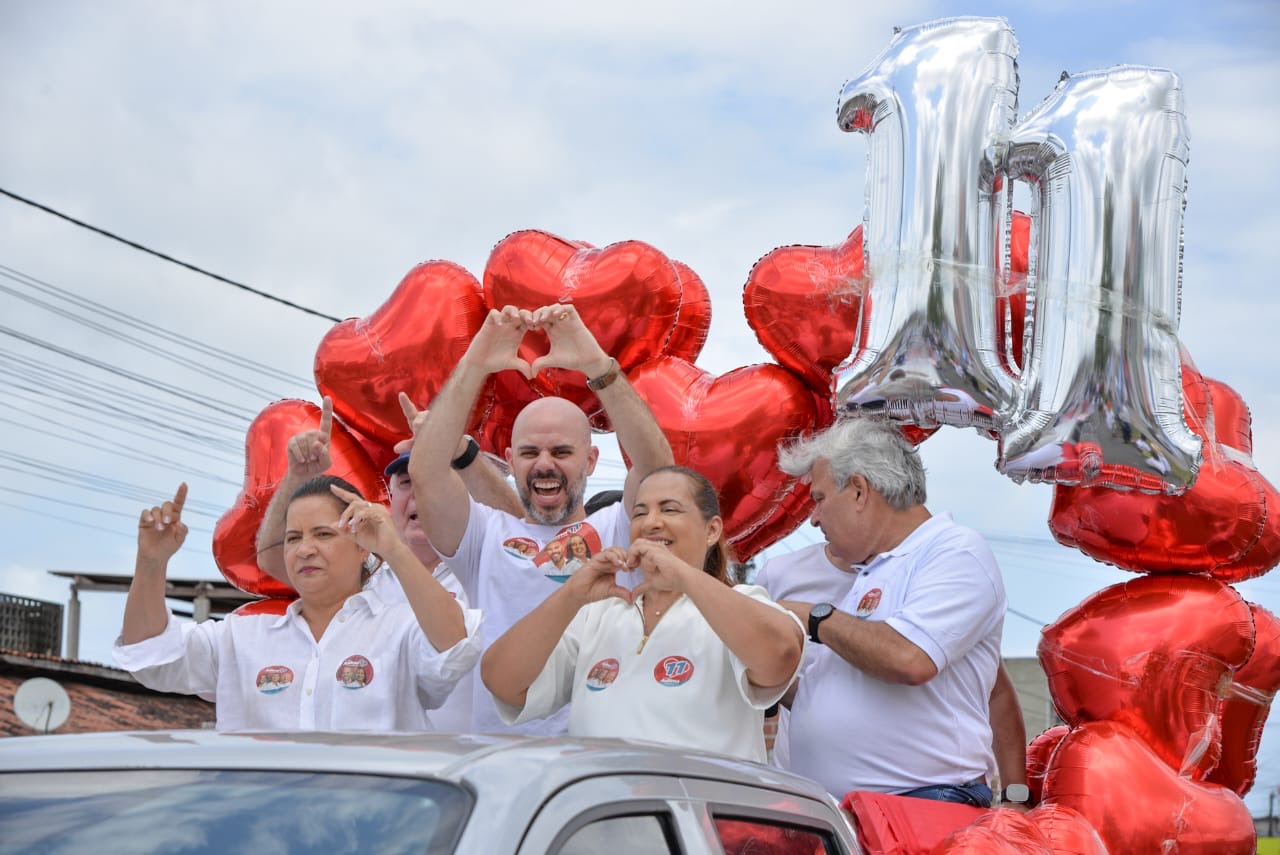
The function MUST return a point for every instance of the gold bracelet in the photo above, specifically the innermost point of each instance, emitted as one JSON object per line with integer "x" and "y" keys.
{"x": 595, "y": 384}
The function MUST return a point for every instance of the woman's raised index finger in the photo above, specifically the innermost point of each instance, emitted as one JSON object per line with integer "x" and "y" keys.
{"x": 345, "y": 495}
{"x": 180, "y": 497}
{"x": 326, "y": 415}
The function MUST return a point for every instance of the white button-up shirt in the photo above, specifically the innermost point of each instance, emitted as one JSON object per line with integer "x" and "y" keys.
{"x": 373, "y": 669}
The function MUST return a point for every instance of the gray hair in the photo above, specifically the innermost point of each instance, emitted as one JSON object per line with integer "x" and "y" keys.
{"x": 873, "y": 449}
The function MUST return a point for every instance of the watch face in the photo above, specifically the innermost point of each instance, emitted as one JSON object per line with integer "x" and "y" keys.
{"x": 1016, "y": 793}
{"x": 821, "y": 610}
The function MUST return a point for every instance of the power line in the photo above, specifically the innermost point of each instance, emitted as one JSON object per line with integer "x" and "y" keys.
{"x": 130, "y": 375}
{"x": 137, "y": 323}
{"x": 165, "y": 257}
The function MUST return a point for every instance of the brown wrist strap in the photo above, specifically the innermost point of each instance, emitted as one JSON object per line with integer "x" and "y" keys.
{"x": 595, "y": 384}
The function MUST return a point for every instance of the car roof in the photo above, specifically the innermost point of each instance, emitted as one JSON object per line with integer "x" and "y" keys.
{"x": 487, "y": 763}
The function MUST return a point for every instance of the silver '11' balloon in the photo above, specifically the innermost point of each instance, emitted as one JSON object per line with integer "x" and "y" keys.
{"x": 1098, "y": 400}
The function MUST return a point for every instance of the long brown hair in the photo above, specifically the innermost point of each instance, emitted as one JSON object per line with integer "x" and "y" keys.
{"x": 719, "y": 554}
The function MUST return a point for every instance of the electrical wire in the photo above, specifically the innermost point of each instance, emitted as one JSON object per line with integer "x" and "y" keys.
{"x": 203, "y": 348}
{"x": 82, "y": 224}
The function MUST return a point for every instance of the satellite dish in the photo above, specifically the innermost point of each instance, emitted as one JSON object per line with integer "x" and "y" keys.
{"x": 42, "y": 704}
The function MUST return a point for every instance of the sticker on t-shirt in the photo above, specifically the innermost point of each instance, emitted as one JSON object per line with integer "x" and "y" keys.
{"x": 274, "y": 678}
{"x": 355, "y": 672}
{"x": 673, "y": 671}
{"x": 521, "y": 547}
{"x": 869, "y": 603}
{"x": 570, "y": 549}
{"x": 602, "y": 674}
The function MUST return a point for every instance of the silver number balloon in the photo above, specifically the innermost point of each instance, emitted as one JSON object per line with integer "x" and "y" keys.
{"x": 1100, "y": 398}
{"x": 934, "y": 104}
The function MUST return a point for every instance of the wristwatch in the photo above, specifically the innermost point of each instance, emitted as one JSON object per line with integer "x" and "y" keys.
{"x": 595, "y": 384}
{"x": 817, "y": 615}
{"x": 1016, "y": 794}
{"x": 466, "y": 458}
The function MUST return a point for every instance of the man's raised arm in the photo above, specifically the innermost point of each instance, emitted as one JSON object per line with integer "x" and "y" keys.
{"x": 441, "y": 495}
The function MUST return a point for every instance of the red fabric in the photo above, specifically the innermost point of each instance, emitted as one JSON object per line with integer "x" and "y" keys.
{"x": 901, "y": 825}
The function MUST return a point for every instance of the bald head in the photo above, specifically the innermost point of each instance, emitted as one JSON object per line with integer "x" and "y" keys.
{"x": 551, "y": 414}
{"x": 551, "y": 456}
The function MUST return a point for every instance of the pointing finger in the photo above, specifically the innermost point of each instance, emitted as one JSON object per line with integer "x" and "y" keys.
{"x": 180, "y": 498}
{"x": 345, "y": 495}
{"x": 326, "y": 416}
{"x": 407, "y": 407}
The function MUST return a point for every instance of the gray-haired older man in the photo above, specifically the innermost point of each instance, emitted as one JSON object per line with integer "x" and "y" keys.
{"x": 896, "y": 700}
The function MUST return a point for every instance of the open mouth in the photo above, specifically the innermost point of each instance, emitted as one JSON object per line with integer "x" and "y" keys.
{"x": 547, "y": 489}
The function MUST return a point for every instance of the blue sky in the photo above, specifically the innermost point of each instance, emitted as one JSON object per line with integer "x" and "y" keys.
{"x": 318, "y": 151}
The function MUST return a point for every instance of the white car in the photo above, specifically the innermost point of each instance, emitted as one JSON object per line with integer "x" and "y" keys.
{"x": 210, "y": 792}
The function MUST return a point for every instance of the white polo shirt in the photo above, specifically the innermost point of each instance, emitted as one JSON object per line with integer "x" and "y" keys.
{"x": 683, "y": 688}
{"x": 373, "y": 670}
{"x": 941, "y": 589}
{"x": 502, "y": 566}
{"x": 806, "y": 576}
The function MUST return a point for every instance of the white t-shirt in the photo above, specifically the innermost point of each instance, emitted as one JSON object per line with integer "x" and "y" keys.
{"x": 806, "y": 576}
{"x": 454, "y": 715}
{"x": 941, "y": 589}
{"x": 503, "y": 566}
{"x": 683, "y": 688}
{"x": 373, "y": 670}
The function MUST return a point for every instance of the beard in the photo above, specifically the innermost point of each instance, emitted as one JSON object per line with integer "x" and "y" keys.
{"x": 549, "y": 516}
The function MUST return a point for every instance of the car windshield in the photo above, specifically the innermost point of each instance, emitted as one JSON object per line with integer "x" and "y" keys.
{"x": 202, "y": 811}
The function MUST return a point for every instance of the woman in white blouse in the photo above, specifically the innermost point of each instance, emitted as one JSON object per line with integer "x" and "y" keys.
{"x": 339, "y": 658}
{"x": 685, "y": 659}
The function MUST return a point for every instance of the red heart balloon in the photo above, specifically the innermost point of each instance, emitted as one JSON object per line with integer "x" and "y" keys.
{"x": 728, "y": 428}
{"x": 268, "y": 606}
{"x": 1245, "y": 708}
{"x": 410, "y": 344}
{"x": 1154, "y": 654}
{"x": 1227, "y": 523}
{"x": 504, "y": 396}
{"x": 628, "y": 295}
{"x": 266, "y": 462}
{"x": 379, "y": 452}
{"x": 1039, "y": 750}
{"x": 999, "y": 832}
{"x": 1066, "y": 831}
{"x": 806, "y": 304}
{"x": 694, "y": 321}
{"x": 1104, "y": 771}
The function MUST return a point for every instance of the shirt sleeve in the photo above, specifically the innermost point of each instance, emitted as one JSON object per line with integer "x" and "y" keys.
{"x": 465, "y": 561}
{"x": 956, "y": 597}
{"x": 762, "y": 697}
{"x": 553, "y": 687}
{"x": 183, "y": 658}
{"x": 438, "y": 671}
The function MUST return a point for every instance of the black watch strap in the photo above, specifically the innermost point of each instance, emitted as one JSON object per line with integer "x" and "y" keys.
{"x": 466, "y": 458}
{"x": 817, "y": 614}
